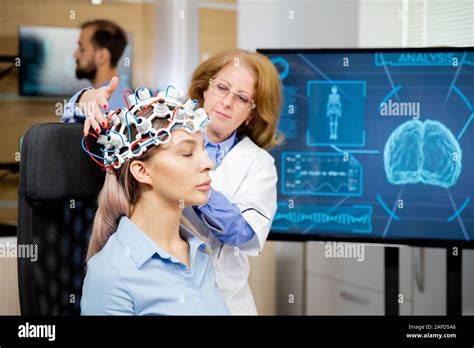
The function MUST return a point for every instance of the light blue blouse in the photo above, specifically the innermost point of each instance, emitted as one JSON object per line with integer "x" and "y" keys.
{"x": 132, "y": 275}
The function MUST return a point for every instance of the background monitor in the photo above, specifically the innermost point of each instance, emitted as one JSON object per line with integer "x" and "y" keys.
{"x": 379, "y": 145}
{"x": 47, "y": 63}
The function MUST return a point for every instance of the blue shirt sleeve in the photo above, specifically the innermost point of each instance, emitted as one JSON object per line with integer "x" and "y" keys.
{"x": 104, "y": 291}
{"x": 72, "y": 113}
{"x": 225, "y": 220}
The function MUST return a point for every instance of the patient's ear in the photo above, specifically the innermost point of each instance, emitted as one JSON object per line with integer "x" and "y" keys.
{"x": 141, "y": 172}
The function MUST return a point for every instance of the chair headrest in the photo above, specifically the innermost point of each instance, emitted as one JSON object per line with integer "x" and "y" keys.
{"x": 54, "y": 167}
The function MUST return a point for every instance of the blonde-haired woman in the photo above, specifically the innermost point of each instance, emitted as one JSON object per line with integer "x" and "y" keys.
{"x": 241, "y": 92}
{"x": 141, "y": 259}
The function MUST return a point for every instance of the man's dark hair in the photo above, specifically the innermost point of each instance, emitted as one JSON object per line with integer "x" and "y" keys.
{"x": 110, "y": 36}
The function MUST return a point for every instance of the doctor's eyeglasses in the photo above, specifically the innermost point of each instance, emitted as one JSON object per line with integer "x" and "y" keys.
{"x": 222, "y": 89}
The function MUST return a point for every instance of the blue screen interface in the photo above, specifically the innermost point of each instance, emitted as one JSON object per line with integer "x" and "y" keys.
{"x": 378, "y": 144}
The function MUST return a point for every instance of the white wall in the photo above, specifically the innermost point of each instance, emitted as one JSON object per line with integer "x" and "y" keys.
{"x": 297, "y": 23}
{"x": 380, "y": 23}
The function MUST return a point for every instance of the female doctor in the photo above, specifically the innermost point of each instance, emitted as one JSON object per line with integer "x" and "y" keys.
{"x": 241, "y": 92}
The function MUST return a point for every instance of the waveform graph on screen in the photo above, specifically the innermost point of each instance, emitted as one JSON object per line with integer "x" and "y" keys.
{"x": 313, "y": 218}
{"x": 321, "y": 174}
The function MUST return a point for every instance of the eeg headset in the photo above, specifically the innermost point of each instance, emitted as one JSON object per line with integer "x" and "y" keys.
{"x": 142, "y": 109}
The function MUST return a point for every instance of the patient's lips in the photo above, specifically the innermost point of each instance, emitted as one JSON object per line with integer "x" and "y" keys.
{"x": 204, "y": 186}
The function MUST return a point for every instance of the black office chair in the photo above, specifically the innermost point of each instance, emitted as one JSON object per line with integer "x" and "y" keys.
{"x": 57, "y": 196}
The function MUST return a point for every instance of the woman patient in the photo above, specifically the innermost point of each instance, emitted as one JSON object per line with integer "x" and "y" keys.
{"x": 142, "y": 259}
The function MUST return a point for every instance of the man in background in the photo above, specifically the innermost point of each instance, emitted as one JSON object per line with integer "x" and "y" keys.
{"x": 100, "y": 46}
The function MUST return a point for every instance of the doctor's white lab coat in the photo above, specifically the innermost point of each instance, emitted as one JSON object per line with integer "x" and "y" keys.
{"x": 247, "y": 177}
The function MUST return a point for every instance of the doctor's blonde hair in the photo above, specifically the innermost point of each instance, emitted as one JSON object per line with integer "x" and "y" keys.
{"x": 262, "y": 129}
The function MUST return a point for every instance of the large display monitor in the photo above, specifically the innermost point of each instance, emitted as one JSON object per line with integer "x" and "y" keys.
{"x": 47, "y": 64}
{"x": 379, "y": 145}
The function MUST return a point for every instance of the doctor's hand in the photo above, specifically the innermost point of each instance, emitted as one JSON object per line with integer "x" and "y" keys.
{"x": 91, "y": 102}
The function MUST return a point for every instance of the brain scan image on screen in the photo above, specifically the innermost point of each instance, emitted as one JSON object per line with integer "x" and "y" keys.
{"x": 422, "y": 152}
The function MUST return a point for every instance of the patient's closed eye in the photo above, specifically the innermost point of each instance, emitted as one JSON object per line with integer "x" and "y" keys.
{"x": 186, "y": 148}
